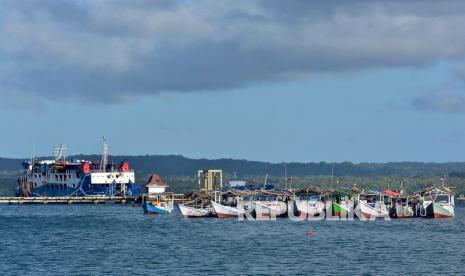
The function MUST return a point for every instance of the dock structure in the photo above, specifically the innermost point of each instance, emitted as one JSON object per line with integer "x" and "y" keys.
{"x": 178, "y": 198}
{"x": 70, "y": 200}
{"x": 210, "y": 180}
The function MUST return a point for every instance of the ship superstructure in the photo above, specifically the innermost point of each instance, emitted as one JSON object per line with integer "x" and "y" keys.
{"x": 60, "y": 177}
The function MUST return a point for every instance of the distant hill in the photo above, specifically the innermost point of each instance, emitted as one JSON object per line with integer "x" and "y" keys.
{"x": 174, "y": 165}
{"x": 180, "y": 172}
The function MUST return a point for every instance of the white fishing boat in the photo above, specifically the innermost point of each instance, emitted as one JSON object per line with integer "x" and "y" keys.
{"x": 308, "y": 202}
{"x": 270, "y": 209}
{"x": 198, "y": 205}
{"x": 438, "y": 202}
{"x": 371, "y": 205}
{"x": 231, "y": 204}
{"x": 195, "y": 211}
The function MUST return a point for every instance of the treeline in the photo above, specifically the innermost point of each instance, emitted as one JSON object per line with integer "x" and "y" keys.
{"x": 174, "y": 165}
{"x": 180, "y": 172}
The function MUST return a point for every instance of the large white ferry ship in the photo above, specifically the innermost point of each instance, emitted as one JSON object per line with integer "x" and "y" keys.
{"x": 60, "y": 177}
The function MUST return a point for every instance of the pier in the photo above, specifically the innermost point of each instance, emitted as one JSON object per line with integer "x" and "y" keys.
{"x": 70, "y": 200}
{"x": 178, "y": 198}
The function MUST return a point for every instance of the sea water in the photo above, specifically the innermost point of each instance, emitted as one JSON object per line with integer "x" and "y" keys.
{"x": 121, "y": 240}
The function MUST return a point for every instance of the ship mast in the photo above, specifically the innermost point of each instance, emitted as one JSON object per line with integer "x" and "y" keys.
{"x": 104, "y": 160}
{"x": 59, "y": 152}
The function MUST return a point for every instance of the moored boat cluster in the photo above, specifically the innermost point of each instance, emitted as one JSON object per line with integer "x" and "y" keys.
{"x": 307, "y": 203}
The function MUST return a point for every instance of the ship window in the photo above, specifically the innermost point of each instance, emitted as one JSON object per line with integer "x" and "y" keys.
{"x": 442, "y": 198}
{"x": 65, "y": 186}
{"x": 64, "y": 177}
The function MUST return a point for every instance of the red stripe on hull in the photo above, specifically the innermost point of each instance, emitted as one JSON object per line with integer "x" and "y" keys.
{"x": 436, "y": 216}
{"x": 366, "y": 215}
{"x": 151, "y": 213}
{"x": 220, "y": 215}
{"x": 404, "y": 216}
{"x": 263, "y": 215}
{"x": 303, "y": 215}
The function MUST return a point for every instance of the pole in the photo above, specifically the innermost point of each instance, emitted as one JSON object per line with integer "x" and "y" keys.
{"x": 285, "y": 172}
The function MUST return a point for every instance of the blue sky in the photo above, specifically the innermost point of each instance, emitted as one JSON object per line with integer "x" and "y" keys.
{"x": 371, "y": 81}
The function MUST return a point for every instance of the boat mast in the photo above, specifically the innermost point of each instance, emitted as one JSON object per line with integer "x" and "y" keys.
{"x": 285, "y": 172}
{"x": 332, "y": 173}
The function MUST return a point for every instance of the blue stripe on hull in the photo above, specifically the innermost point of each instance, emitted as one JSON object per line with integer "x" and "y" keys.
{"x": 133, "y": 190}
{"x": 150, "y": 209}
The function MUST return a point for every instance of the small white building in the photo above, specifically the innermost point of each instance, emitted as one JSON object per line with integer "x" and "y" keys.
{"x": 155, "y": 185}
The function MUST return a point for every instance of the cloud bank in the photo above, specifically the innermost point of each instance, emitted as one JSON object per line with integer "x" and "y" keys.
{"x": 108, "y": 51}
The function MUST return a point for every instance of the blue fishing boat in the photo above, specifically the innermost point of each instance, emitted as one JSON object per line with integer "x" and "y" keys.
{"x": 157, "y": 201}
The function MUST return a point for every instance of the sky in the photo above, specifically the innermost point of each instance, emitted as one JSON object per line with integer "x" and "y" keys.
{"x": 358, "y": 81}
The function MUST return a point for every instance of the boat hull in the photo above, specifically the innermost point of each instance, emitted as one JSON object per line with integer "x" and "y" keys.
{"x": 342, "y": 208}
{"x": 309, "y": 208}
{"x": 194, "y": 212}
{"x": 223, "y": 211}
{"x": 438, "y": 211}
{"x": 269, "y": 209}
{"x": 402, "y": 212}
{"x": 149, "y": 208}
{"x": 367, "y": 211}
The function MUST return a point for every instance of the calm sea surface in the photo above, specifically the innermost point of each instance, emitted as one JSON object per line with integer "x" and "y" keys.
{"x": 115, "y": 239}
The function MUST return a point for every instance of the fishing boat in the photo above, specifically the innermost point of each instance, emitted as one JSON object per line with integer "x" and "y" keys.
{"x": 197, "y": 206}
{"x": 398, "y": 204}
{"x": 232, "y": 203}
{"x": 195, "y": 211}
{"x": 158, "y": 204}
{"x": 157, "y": 200}
{"x": 371, "y": 205}
{"x": 438, "y": 202}
{"x": 309, "y": 202}
{"x": 342, "y": 204}
{"x": 270, "y": 204}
